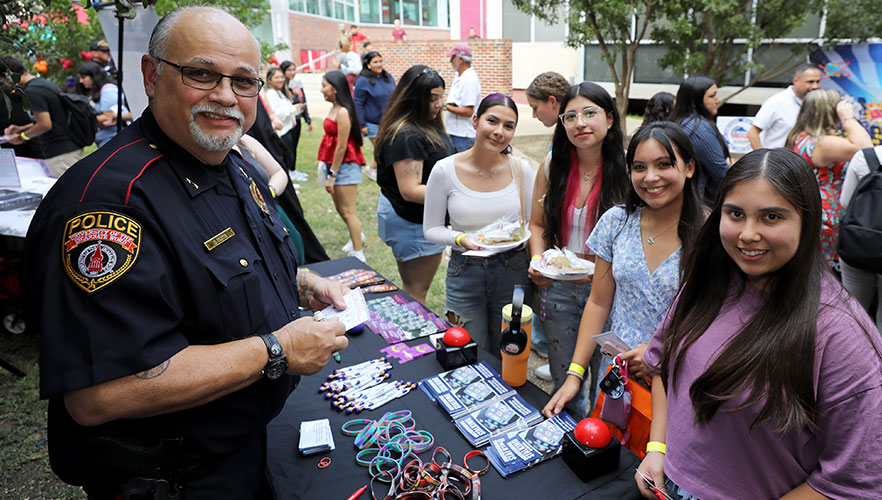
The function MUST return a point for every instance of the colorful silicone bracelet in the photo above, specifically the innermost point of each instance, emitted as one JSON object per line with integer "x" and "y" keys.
{"x": 23, "y": 136}
{"x": 656, "y": 446}
{"x": 577, "y": 368}
{"x": 571, "y": 372}
{"x": 459, "y": 239}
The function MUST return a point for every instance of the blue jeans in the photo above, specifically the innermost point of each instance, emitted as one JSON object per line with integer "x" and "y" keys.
{"x": 676, "y": 492}
{"x": 478, "y": 288}
{"x": 462, "y": 143}
{"x": 560, "y": 309}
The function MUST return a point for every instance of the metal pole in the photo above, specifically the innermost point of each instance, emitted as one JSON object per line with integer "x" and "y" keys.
{"x": 119, "y": 75}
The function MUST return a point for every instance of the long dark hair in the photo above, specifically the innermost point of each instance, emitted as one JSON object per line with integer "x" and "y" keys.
{"x": 497, "y": 99}
{"x": 690, "y": 100}
{"x": 284, "y": 67}
{"x": 344, "y": 98}
{"x": 658, "y": 108}
{"x": 409, "y": 107}
{"x": 786, "y": 324}
{"x": 367, "y": 73}
{"x": 99, "y": 80}
{"x": 673, "y": 140}
{"x": 269, "y": 86}
{"x": 613, "y": 176}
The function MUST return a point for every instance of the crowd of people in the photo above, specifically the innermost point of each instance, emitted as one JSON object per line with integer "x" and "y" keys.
{"x": 719, "y": 275}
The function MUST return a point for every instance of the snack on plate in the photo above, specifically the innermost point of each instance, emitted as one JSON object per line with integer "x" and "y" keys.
{"x": 500, "y": 233}
{"x": 564, "y": 262}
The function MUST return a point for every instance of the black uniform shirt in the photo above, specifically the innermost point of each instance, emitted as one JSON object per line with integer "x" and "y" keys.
{"x": 186, "y": 257}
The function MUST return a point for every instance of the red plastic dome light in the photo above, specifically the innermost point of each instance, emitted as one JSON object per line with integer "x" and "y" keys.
{"x": 592, "y": 432}
{"x": 456, "y": 337}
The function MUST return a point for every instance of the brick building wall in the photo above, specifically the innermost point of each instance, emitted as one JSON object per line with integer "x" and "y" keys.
{"x": 491, "y": 60}
{"x": 318, "y": 33}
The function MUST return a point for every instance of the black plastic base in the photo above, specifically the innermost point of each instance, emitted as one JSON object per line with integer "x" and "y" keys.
{"x": 589, "y": 463}
{"x": 452, "y": 357}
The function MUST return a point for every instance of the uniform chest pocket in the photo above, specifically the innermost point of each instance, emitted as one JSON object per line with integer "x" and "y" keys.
{"x": 240, "y": 304}
{"x": 283, "y": 242}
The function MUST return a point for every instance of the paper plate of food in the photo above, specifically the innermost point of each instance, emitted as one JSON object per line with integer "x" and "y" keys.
{"x": 502, "y": 237}
{"x": 562, "y": 265}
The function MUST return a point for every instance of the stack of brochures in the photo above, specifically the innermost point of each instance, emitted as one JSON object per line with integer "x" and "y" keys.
{"x": 315, "y": 436}
{"x": 479, "y": 402}
{"x": 515, "y": 451}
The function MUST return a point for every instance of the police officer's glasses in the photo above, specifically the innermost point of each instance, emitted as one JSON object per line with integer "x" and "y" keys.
{"x": 206, "y": 79}
{"x": 570, "y": 118}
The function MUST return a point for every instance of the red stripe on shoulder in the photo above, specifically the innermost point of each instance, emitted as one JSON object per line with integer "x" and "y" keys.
{"x": 102, "y": 165}
{"x": 132, "y": 183}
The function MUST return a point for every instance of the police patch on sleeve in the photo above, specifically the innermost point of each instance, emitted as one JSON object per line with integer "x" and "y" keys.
{"x": 99, "y": 247}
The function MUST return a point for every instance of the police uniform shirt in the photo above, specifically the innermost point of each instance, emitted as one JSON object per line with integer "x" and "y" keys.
{"x": 138, "y": 251}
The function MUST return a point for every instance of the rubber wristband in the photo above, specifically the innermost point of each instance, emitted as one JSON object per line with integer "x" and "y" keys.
{"x": 571, "y": 372}
{"x": 272, "y": 191}
{"x": 23, "y": 136}
{"x": 575, "y": 367}
{"x": 656, "y": 446}
{"x": 459, "y": 238}
{"x": 535, "y": 257}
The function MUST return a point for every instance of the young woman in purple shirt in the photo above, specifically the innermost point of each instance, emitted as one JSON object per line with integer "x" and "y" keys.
{"x": 770, "y": 374}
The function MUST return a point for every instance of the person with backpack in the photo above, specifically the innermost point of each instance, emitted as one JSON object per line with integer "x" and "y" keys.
{"x": 103, "y": 92}
{"x": 862, "y": 282}
{"x": 60, "y": 150}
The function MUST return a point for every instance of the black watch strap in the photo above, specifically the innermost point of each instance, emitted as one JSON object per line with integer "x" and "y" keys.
{"x": 277, "y": 364}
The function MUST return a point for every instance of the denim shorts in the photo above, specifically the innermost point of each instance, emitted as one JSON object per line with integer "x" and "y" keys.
{"x": 349, "y": 173}
{"x": 405, "y": 238}
{"x": 676, "y": 492}
{"x": 479, "y": 287}
{"x": 560, "y": 310}
{"x": 373, "y": 128}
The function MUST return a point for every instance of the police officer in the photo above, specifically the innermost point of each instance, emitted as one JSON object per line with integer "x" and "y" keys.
{"x": 166, "y": 291}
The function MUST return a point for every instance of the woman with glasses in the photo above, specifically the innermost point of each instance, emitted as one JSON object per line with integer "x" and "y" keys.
{"x": 814, "y": 138}
{"x": 340, "y": 153}
{"x": 582, "y": 177}
{"x": 278, "y": 98}
{"x": 410, "y": 140}
{"x": 695, "y": 109}
{"x": 481, "y": 186}
{"x": 372, "y": 89}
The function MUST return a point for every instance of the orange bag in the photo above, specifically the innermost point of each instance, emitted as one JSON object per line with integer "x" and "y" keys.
{"x": 639, "y": 419}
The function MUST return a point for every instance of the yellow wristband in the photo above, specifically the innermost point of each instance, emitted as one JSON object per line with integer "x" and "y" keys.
{"x": 23, "y": 136}
{"x": 656, "y": 446}
{"x": 272, "y": 191}
{"x": 459, "y": 238}
{"x": 575, "y": 367}
{"x": 535, "y": 257}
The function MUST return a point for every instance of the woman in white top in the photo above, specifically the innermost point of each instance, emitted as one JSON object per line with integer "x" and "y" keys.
{"x": 864, "y": 285}
{"x": 278, "y": 98}
{"x": 479, "y": 187}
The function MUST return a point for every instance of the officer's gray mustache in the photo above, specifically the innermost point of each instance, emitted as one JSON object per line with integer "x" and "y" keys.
{"x": 217, "y": 110}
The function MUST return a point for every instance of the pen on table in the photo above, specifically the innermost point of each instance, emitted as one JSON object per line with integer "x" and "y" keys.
{"x": 318, "y": 317}
{"x": 357, "y": 493}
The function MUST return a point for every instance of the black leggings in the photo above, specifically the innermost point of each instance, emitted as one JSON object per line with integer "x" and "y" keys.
{"x": 291, "y": 139}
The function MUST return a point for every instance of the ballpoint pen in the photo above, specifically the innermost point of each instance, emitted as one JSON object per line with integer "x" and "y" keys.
{"x": 357, "y": 493}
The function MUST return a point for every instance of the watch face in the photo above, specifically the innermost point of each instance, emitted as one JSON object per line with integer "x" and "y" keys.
{"x": 276, "y": 349}
{"x": 275, "y": 369}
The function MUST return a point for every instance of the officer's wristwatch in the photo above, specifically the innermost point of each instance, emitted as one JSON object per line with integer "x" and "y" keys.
{"x": 278, "y": 363}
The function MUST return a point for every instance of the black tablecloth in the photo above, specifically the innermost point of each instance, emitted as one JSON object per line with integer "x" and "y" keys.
{"x": 296, "y": 477}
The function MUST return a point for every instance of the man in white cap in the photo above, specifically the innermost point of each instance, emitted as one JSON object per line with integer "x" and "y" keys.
{"x": 463, "y": 98}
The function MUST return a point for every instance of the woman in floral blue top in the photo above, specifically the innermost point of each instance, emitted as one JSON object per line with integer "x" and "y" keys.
{"x": 638, "y": 251}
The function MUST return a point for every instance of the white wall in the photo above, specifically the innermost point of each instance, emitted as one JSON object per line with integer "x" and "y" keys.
{"x": 530, "y": 59}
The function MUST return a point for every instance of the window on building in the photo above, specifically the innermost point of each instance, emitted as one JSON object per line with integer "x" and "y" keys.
{"x": 430, "y": 12}
{"x": 515, "y": 24}
{"x": 596, "y": 69}
{"x": 772, "y": 58}
{"x": 555, "y": 32}
{"x": 410, "y": 12}
{"x": 646, "y": 69}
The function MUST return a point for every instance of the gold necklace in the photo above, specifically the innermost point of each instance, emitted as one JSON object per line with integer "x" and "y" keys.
{"x": 651, "y": 239}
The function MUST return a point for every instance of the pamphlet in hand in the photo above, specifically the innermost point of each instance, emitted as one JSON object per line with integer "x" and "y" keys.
{"x": 515, "y": 451}
{"x": 479, "y": 402}
{"x": 356, "y": 312}
{"x": 611, "y": 345}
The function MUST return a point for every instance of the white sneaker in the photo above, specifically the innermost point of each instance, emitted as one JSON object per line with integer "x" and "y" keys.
{"x": 348, "y": 246}
{"x": 358, "y": 254}
{"x": 370, "y": 173}
{"x": 544, "y": 372}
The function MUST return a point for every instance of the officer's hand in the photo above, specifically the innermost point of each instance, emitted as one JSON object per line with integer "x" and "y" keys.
{"x": 326, "y": 292}
{"x": 309, "y": 344}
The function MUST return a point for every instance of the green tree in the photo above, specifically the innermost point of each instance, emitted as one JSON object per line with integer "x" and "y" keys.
{"x": 616, "y": 26}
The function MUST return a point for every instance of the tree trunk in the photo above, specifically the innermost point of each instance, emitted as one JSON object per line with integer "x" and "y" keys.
{"x": 622, "y": 105}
